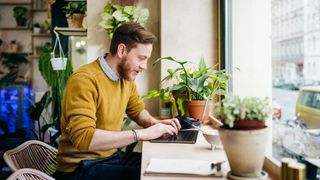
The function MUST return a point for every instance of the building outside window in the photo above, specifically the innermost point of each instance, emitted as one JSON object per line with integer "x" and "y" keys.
{"x": 295, "y": 32}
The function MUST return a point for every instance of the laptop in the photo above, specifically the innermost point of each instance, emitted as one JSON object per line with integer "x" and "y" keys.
{"x": 186, "y": 136}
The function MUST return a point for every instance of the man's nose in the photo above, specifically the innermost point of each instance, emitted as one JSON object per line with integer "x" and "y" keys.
{"x": 143, "y": 65}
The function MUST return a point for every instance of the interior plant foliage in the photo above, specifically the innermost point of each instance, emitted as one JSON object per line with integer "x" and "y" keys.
{"x": 195, "y": 83}
{"x": 12, "y": 63}
{"x": 113, "y": 16}
{"x": 75, "y": 7}
{"x": 20, "y": 13}
{"x": 56, "y": 81}
{"x": 234, "y": 108}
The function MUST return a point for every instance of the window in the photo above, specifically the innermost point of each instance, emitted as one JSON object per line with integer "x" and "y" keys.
{"x": 299, "y": 95}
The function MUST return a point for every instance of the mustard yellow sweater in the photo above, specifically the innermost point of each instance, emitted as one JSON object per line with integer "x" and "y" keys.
{"x": 92, "y": 101}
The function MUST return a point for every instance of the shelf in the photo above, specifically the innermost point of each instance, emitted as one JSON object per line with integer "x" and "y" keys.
{"x": 34, "y": 56}
{"x": 21, "y": 53}
{"x": 15, "y": 3}
{"x": 41, "y": 35}
{"x": 71, "y": 31}
{"x": 38, "y": 10}
{"x": 15, "y": 28}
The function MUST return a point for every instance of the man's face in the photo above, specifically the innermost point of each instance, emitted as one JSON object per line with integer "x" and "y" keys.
{"x": 133, "y": 62}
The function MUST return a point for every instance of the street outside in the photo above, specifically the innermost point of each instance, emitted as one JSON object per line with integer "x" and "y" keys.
{"x": 287, "y": 99}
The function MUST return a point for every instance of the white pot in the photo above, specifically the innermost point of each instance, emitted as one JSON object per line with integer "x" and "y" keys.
{"x": 58, "y": 63}
{"x": 245, "y": 150}
{"x": 36, "y": 30}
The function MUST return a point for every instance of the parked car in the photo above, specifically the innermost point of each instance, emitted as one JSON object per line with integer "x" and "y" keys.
{"x": 308, "y": 106}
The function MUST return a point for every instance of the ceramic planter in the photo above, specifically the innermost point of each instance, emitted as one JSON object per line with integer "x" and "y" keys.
{"x": 245, "y": 150}
{"x": 59, "y": 63}
{"x": 75, "y": 20}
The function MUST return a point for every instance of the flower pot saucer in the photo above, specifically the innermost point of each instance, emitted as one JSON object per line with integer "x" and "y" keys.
{"x": 263, "y": 176}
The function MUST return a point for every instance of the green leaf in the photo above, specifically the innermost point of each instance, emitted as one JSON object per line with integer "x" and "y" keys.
{"x": 202, "y": 64}
{"x": 129, "y": 9}
{"x": 180, "y": 103}
{"x": 151, "y": 94}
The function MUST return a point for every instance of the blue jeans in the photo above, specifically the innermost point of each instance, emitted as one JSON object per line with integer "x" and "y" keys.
{"x": 119, "y": 166}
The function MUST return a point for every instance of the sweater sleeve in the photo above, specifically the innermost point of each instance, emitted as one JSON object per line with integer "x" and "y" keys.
{"x": 135, "y": 104}
{"x": 80, "y": 110}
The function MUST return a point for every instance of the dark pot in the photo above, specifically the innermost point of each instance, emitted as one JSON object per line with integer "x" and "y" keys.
{"x": 249, "y": 124}
{"x": 21, "y": 21}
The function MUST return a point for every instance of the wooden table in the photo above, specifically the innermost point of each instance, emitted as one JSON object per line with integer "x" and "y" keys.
{"x": 199, "y": 151}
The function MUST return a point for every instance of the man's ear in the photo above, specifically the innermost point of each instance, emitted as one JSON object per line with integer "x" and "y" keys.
{"x": 122, "y": 50}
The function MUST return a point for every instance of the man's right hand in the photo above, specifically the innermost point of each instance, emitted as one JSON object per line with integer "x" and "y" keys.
{"x": 156, "y": 131}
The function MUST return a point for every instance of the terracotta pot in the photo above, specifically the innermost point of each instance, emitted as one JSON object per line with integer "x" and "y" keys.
{"x": 245, "y": 150}
{"x": 75, "y": 20}
{"x": 196, "y": 108}
{"x": 249, "y": 124}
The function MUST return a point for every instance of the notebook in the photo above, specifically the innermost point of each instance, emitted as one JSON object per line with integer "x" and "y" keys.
{"x": 184, "y": 167}
{"x": 183, "y": 136}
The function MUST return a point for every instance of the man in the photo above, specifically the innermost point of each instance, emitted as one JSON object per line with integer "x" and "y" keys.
{"x": 96, "y": 98}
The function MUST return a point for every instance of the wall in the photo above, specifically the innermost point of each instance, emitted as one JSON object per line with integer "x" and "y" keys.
{"x": 98, "y": 44}
{"x": 189, "y": 31}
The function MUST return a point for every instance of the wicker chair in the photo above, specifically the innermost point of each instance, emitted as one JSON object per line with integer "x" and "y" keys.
{"x": 30, "y": 174}
{"x": 32, "y": 154}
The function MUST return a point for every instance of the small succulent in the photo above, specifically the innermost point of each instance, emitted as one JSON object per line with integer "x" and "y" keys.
{"x": 234, "y": 108}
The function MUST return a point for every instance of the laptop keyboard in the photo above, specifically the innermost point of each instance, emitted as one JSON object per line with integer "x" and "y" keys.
{"x": 181, "y": 137}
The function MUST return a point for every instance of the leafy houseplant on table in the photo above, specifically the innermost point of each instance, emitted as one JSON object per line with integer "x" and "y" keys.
{"x": 114, "y": 16}
{"x": 20, "y": 13}
{"x": 75, "y": 13}
{"x": 244, "y": 134}
{"x": 197, "y": 85}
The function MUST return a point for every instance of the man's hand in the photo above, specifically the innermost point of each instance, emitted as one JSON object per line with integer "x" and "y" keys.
{"x": 174, "y": 122}
{"x": 167, "y": 126}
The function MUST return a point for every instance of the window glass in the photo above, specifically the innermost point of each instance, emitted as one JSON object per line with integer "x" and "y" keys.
{"x": 295, "y": 30}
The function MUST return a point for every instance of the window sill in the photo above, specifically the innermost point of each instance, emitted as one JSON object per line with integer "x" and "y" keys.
{"x": 273, "y": 167}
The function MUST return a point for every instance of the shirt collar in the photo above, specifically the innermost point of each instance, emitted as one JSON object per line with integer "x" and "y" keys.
{"x": 107, "y": 69}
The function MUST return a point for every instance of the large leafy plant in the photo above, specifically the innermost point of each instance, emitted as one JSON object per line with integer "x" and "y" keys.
{"x": 114, "y": 16}
{"x": 56, "y": 81}
{"x": 196, "y": 83}
{"x": 234, "y": 108}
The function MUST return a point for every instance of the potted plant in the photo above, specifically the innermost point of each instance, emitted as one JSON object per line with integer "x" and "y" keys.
{"x": 196, "y": 85}
{"x": 56, "y": 81}
{"x": 113, "y": 16}
{"x": 12, "y": 63}
{"x": 47, "y": 26}
{"x": 20, "y": 13}
{"x": 36, "y": 28}
{"x": 75, "y": 13}
{"x": 13, "y": 46}
{"x": 244, "y": 133}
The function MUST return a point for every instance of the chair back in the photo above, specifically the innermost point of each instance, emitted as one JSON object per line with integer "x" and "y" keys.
{"x": 32, "y": 154}
{"x": 30, "y": 174}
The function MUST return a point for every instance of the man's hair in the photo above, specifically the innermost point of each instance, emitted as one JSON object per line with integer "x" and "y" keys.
{"x": 130, "y": 34}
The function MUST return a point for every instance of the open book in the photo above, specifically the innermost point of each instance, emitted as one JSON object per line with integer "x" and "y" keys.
{"x": 184, "y": 167}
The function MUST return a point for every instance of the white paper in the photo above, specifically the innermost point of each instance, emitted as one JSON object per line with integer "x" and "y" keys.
{"x": 181, "y": 166}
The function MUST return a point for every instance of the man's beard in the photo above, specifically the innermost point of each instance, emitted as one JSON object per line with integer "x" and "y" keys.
{"x": 124, "y": 70}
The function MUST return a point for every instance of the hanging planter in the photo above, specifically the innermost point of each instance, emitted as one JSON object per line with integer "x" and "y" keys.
{"x": 58, "y": 63}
